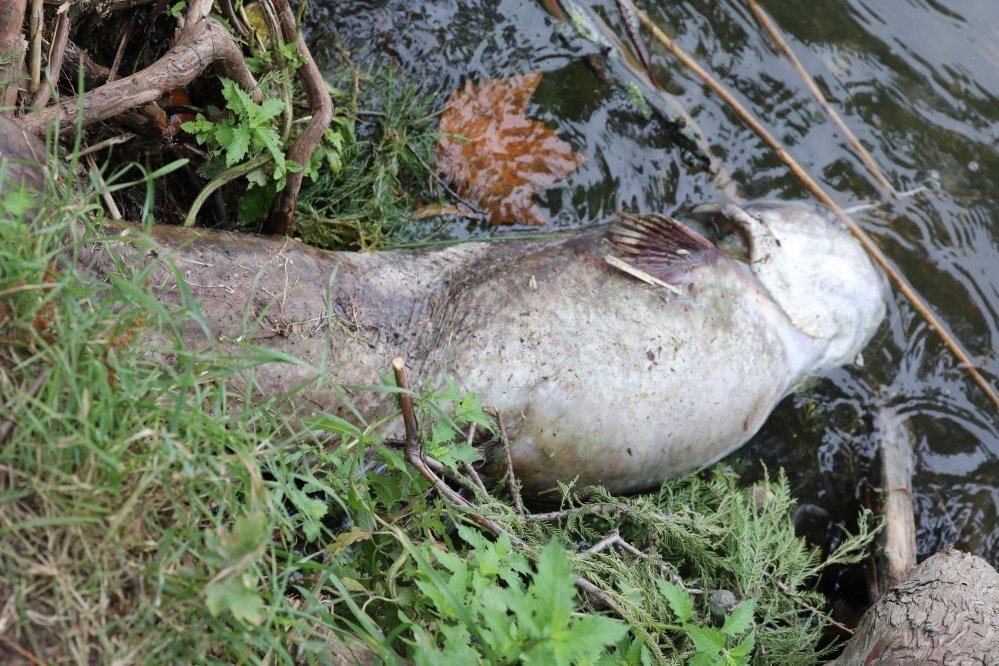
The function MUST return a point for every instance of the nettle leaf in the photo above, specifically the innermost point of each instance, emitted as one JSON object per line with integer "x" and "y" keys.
{"x": 741, "y": 618}
{"x": 269, "y": 108}
{"x": 740, "y": 653}
{"x": 200, "y": 127}
{"x": 237, "y": 146}
{"x": 707, "y": 640}
{"x": 679, "y": 601}
{"x": 591, "y": 634}
{"x": 456, "y": 650}
{"x": 469, "y": 410}
{"x": 237, "y": 100}
{"x": 553, "y": 587}
{"x": 246, "y": 537}
{"x": 258, "y": 178}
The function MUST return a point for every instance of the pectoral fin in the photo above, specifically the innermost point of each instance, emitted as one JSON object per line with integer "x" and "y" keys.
{"x": 660, "y": 246}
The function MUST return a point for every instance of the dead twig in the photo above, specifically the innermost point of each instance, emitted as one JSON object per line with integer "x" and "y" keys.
{"x": 596, "y": 509}
{"x": 616, "y": 540}
{"x": 120, "y": 53}
{"x": 204, "y": 44}
{"x": 56, "y": 53}
{"x": 32, "y": 659}
{"x": 106, "y": 143}
{"x": 631, "y": 27}
{"x": 113, "y": 212}
{"x": 467, "y": 467}
{"x": 279, "y": 220}
{"x": 872, "y": 249}
{"x": 36, "y": 22}
{"x": 896, "y": 482}
{"x": 603, "y": 544}
{"x": 518, "y": 502}
{"x": 234, "y": 20}
{"x": 785, "y": 48}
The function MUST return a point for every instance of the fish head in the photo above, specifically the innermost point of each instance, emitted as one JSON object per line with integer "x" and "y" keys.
{"x": 812, "y": 268}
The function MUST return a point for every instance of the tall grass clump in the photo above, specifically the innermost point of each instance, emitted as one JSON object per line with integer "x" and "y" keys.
{"x": 150, "y": 510}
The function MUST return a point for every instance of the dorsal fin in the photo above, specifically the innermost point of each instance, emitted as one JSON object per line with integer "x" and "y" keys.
{"x": 659, "y": 245}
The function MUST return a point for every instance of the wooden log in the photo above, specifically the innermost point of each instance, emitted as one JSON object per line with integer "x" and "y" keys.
{"x": 946, "y": 612}
{"x": 899, "y": 537}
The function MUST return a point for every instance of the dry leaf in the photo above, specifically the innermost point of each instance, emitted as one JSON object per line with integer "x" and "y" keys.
{"x": 496, "y": 158}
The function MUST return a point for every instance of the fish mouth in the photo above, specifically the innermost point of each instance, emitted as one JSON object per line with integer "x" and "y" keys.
{"x": 731, "y": 229}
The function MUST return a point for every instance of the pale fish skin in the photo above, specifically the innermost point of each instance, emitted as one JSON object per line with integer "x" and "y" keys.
{"x": 611, "y": 382}
{"x": 600, "y": 377}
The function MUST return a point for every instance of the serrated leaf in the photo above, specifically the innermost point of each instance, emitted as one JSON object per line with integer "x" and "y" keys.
{"x": 678, "y": 600}
{"x": 740, "y": 653}
{"x": 553, "y": 587}
{"x": 246, "y": 536}
{"x": 740, "y": 619}
{"x": 238, "y": 101}
{"x": 237, "y": 146}
{"x": 703, "y": 659}
{"x": 258, "y": 178}
{"x": 312, "y": 529}
{"x": 591, "y": 634}
{"x": 706, "y": 639}
{"x": 269, "y": 108}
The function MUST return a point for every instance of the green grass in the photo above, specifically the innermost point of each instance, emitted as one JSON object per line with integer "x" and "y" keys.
{"x": 387, "y": 167}
{"x": 155, "y": 510}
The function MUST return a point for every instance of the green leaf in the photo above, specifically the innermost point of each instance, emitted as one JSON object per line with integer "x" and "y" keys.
{"x": 553, "y": 587}
{"x": 236, "y": 150}
{"x": 740, "y": 619}
{"x": 175, "y": 9}
{"x": 591, "y": 634}
{"x": 679, "y": 601}
{"x": 231, "y": 595}
{"x": 245, "y": 537}
{"x": 740, "y": 653}
{"x": 238, "y": 101}
{"x": 269, "y": 108}
{"x": 258, "y": 180}
{"x": 706, "y": 639}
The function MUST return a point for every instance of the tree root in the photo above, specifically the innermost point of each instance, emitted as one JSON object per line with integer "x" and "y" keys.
{"x": 279, "y": 221}
{"x": 203, "y": 44}
{"x": 199, "y": 41}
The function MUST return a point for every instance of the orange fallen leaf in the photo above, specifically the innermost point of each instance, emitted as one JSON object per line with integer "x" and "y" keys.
{"x": 495, "y": 157}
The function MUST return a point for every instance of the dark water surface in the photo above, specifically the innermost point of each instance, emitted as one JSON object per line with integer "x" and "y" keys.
{"x": 916, "y": 80}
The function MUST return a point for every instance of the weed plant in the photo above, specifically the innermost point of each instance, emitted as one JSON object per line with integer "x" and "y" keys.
{"x": 387, "y": 165}
{"x": 155, "y": 510}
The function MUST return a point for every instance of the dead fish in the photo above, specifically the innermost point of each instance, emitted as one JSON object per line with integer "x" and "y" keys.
{"x": 603, "y": 377}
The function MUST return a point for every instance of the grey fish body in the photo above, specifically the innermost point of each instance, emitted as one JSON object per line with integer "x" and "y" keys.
{"x": 600, "y": 377}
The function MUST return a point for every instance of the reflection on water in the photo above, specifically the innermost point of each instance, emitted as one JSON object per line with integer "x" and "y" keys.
{"x": 917, "y": 82}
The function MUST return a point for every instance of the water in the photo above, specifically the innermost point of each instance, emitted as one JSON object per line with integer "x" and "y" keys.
{"x": 917, "y": 82}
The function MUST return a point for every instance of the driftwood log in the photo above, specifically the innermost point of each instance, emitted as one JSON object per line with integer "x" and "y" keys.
{"x": 946, "y": 612}
{"x": 899, "y": 537}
